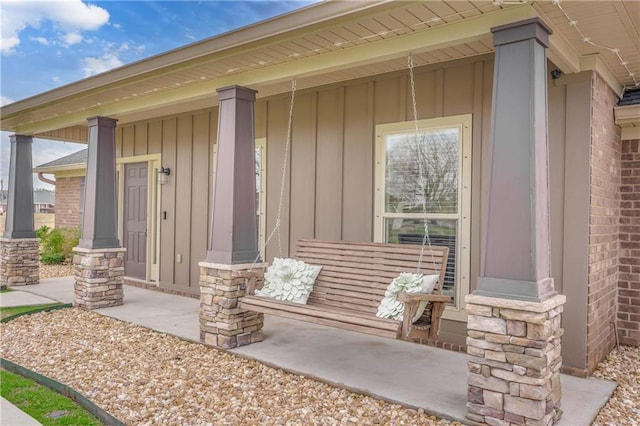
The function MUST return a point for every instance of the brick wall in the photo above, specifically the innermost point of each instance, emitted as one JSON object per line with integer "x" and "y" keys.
{"x": 629, "y": 275}
{"x": 604, "y": 228}
{"x": 68, "y": 201}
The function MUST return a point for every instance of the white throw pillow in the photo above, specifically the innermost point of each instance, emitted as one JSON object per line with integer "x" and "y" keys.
{"x": 289, "y": 280}
{"x": 407, "y": 282}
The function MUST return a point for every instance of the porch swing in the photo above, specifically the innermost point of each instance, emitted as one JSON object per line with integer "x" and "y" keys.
{"x": 358, "y": 286}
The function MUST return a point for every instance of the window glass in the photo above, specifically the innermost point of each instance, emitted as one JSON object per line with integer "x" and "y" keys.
{"x": 421, "y": 172}
{"x": 440, "y": 232}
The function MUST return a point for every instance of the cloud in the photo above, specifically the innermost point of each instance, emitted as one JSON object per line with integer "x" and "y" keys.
{"x": 40, "y": 40}
{"x": 68, "y": 17}
{"x": 5, "y": 101}
{"x": 71, "y": 38}
{"x": 104, "y": 63}
{"x": 110, "y": 59}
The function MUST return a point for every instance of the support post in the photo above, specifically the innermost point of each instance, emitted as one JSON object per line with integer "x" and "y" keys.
{"x": 19, "y": 264}
{"x": 514, "y": 334}
{"x": 234, "y": 226}
{"x": 232, "y": 256}
{"x": 99, "y": 259}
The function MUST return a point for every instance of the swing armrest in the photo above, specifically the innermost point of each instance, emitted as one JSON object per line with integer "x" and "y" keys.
{"x": 251, "y": 287}
{"x": 423, "y": 297}
{"x": 412, "y": 303}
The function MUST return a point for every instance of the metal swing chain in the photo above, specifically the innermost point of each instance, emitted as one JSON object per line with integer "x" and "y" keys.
{"x": 284, "y": 164}
{"x": 425, "y": 239}
{"x": 284, "y": 174}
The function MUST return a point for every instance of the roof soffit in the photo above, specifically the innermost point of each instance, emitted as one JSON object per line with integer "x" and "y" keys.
{"x": 191, "y": 74}
{"x": 444, "y": 35}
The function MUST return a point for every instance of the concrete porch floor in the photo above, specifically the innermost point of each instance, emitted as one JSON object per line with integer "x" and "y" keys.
{"x": 407, "y": 373}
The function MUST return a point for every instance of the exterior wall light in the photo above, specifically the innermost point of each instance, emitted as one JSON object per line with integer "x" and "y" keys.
{"x": 163, "y": 175}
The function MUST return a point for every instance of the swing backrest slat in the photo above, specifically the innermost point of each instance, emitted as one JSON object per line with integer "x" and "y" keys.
{"x": 355, "y": 275}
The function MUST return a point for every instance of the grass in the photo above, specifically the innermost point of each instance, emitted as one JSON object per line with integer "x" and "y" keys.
{"x": 39, "y": 401}
{"x": 7, "y": 312}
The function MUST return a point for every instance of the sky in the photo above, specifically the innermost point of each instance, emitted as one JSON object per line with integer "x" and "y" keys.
{"x": 51, "y": 43}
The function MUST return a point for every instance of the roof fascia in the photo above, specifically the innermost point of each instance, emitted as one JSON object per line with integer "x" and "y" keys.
{"x": 628, "y": 118}
{"x": 61, "y": 168}
{"x": 467, "y": 30}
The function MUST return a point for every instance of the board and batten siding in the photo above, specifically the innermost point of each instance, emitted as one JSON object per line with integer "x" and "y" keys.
{"x": 185, "y": 143}
{"x": 329, "y": 178}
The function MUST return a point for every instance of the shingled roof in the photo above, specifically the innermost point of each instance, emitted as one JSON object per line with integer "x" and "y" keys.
{"x": 630, "y": 97}
{"x": 79, "y": 157}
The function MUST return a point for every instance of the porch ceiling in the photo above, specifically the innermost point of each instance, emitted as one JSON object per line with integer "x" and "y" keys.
{"x": 322, "y": 44}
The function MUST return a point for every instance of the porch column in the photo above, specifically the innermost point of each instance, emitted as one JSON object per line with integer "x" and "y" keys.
{"x": 233, "y": 240}
{"x": 234, "y": 226}
{"x": 19, "y": 246}
{"x": 99, "y": 259}
{"x": 514, "y": 314}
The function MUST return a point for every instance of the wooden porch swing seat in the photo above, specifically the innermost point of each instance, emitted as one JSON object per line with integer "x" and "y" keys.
{"x": 352, "y": 283}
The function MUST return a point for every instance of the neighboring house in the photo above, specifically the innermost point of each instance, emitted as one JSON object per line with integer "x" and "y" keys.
{"x": 3, "y": 201}
{"x": 44, "y": 201}
{"x": 69, "y": 173}
{"x": 348, "y": 175}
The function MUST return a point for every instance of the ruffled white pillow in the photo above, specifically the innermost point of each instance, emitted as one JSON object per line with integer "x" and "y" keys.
{"x": 290, "y": 280}
{"x": 407, "y": 282}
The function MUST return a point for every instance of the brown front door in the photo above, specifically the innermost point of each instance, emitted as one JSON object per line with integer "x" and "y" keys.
{"x": 135, "y": 219}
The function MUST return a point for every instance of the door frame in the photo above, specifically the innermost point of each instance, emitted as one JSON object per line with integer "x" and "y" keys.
{"x": 154, "y": 196}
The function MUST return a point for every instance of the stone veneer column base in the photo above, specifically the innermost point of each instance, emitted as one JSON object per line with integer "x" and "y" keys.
{"x": 99, "y": 275}
{"x": 514, "y": 361}
{"x": 19, "y": 261}
{"x": 222, "y": 323}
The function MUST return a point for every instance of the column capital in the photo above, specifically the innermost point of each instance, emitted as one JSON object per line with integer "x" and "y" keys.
{"x": 20, "y": 138}
{"x": 239, "y": 92}
{"x": 533, "y": 28}
{"x": 102, "y": 121}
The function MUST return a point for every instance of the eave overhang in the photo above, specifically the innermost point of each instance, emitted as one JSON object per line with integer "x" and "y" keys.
{"x": 268, "y": 55}
{"x": 628, "y": 118}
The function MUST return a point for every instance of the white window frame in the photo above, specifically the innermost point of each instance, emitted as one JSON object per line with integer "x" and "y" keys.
{"x": 463, "y": 241}
{"x": 261, "y": 145}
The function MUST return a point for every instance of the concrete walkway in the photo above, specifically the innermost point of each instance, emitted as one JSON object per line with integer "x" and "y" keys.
{"x": 410, "y": 374}
{"x": 10, "y": 415}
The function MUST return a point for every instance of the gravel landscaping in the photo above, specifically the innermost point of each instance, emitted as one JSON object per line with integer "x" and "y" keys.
{"x": 623, "y": 366}
{"x": 145, "y": 377}
{"x": 54, "y": 271}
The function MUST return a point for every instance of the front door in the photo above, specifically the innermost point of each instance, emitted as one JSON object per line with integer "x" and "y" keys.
{"x": 135, "y": 219}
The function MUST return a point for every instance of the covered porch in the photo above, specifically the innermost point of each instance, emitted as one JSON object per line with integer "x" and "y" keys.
{"x": 535, "y": 216}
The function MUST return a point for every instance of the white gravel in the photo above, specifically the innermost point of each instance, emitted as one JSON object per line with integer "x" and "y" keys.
{"x": 623, "y": 366}
{"x": 54, "y": 271}
{"x": 144, "y": 377}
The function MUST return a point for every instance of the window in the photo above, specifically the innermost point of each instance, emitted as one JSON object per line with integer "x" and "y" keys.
{"x": 423, "y": 183}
